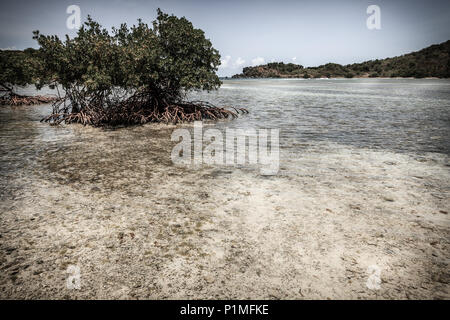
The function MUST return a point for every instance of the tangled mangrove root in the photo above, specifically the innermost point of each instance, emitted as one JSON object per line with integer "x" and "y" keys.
{"x": 133, "y": 112}
{"x": 18, "y": 100}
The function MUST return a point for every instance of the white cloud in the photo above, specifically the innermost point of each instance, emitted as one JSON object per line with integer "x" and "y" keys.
{"x": 9, "y": 48}
{"x": 294, "y": 59}
{"x": 257, "y": 61}
{"x": 239, "y": 62}
{"x": 225, "y": 62}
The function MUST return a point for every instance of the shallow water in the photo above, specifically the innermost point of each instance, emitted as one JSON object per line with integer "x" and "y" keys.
{"x": 364, "y": 179}
{"x": 395, "y": 115}
{"x": 402, "y": 116}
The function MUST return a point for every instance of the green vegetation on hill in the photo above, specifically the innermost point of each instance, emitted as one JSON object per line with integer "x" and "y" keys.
{"x": 433, "y": 61}
{"x": 273, "y": 70}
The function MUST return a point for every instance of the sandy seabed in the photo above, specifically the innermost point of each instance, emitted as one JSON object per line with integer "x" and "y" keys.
{"x": 139, "y": 227}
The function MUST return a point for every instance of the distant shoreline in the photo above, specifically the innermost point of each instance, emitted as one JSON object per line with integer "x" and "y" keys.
{"x": 301, "y": 78}
{"x": 430, "y": 62}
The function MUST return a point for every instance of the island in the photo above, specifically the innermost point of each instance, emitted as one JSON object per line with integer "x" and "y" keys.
{"x": 431, "y": 62}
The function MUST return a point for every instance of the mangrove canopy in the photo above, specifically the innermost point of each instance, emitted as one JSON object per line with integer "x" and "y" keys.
{"x": 131, "y": 75}
{"x": 19, "y": 69}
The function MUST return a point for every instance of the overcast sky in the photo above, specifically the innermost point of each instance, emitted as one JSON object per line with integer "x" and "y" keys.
{"x": 248, "y": 32}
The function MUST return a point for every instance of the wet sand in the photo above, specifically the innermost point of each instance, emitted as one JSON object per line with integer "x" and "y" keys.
{"x": 139, "y": 227}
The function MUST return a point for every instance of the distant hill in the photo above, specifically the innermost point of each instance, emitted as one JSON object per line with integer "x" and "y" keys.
{"x": 433, "y": 61}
